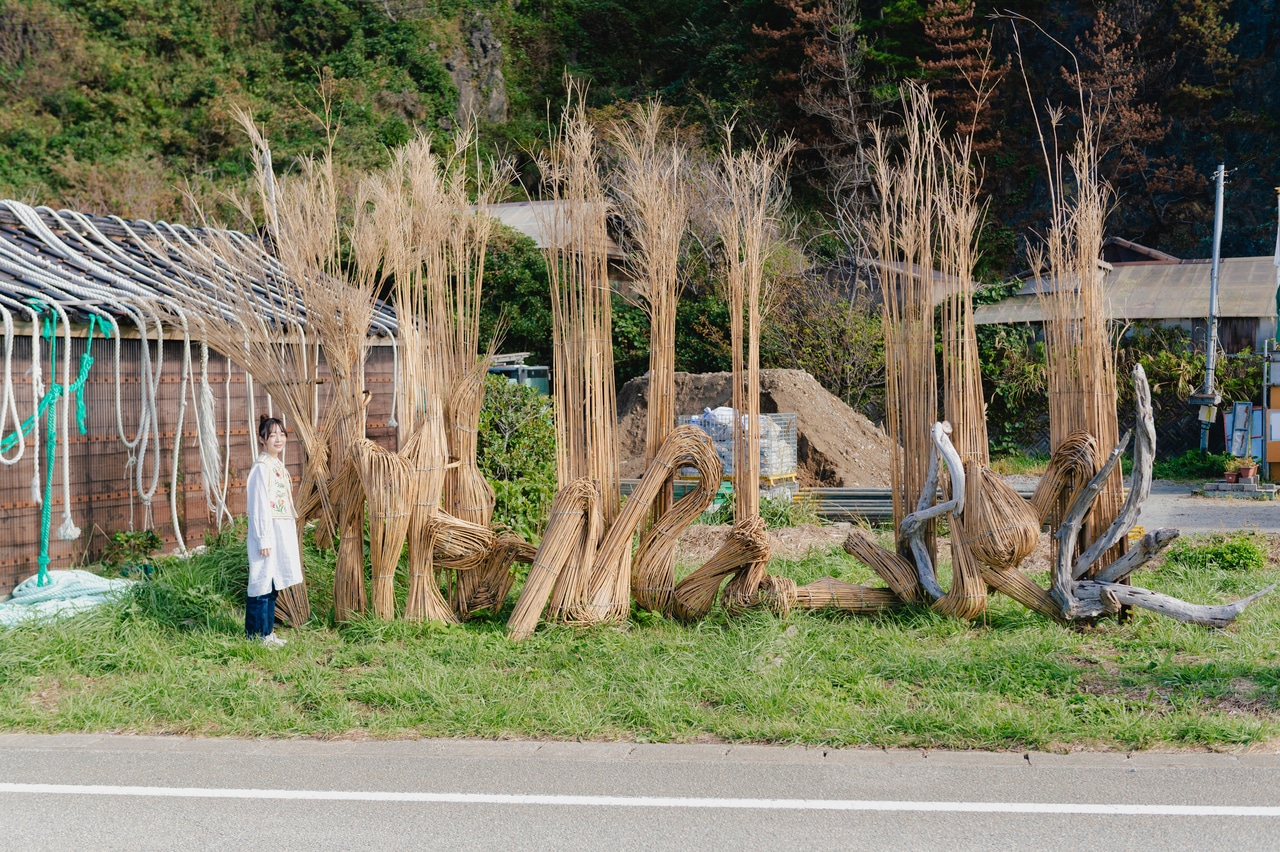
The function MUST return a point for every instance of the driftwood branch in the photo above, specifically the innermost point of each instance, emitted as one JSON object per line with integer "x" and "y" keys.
{"x": 1095, "y": 599}
{"x": 911, "y": 529}
{"x": 1139, "y": 482}
{"x": 1069, "y": 532}
{"x": 1140, "y": 554}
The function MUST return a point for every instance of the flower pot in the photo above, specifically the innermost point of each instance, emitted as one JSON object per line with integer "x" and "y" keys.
{"x": 1246, "y": 472}
{"x": 1231, "y": 476}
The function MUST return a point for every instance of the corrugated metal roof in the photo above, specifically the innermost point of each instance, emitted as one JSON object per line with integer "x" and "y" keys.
{"x": 90, "y": 264}
{"x": 1162, "y": 291}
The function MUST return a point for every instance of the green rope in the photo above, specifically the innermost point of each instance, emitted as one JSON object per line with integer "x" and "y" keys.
{"x": 49, "y": 404}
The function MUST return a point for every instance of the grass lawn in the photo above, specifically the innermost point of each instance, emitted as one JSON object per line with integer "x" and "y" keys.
{"x": 172, "y": 660}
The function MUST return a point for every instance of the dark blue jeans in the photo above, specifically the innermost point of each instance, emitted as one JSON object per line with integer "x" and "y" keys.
{"x": 260, "y": 614}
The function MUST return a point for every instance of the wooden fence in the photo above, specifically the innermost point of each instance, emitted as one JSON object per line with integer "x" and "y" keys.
{"x": 103, "y": 477}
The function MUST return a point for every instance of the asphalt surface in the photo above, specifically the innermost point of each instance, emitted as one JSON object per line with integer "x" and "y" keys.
{"x": 175, "y": 793}
{"x": 1172, "y": 505}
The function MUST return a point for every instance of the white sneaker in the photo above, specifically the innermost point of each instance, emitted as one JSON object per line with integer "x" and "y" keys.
{"x": 271, "y": 640}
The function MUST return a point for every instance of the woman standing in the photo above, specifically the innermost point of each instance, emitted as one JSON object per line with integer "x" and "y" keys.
{"x": 275, "y": 562}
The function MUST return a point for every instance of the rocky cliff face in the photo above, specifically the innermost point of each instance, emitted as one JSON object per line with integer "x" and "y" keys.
{"x": 475, "y": 67}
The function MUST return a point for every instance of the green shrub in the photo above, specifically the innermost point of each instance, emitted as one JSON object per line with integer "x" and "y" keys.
{"x": 1238, "y": 551}
{"x": 517, "y": 454}
{"x": 1192, "y": 464}
{"x": 203, "y": 591}
{"x": 777, "y": 513}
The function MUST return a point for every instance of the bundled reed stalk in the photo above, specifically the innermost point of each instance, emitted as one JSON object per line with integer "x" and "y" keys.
{"x": 389, "y": 482}
{"x": 651, "y": 187}
{"x": 959, "y": 222}
{"x": 571, "y": 536}
{"x": 1081, "y": 368}
{"x": 749, "y": 191}
{"x": 432, "y": 248}
{"x": 746, "y": 550}
{"x": 576, "y": 251}
{"x": 830, "y": 593}
{"x": 653, "y": 572}
{"x": 685, "y": 446}
{"x": 495, "y": 578}
{"x": 901, "y": 240}
{"x": 897, "y": 572}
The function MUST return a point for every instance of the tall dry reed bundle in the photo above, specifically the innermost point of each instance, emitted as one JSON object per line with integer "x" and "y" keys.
{"x": 569, "y": 541}
{"x": 575, "y": 229}
{"x": 902, "y": 243}
{"x": 746, "y": 549}
{"x": 576, "y": 237}
{"x": 749, "y": 194}
{"x": 1081, "y": 365}
{"x": 389, "y": 484}
{"x": 426, "y": 453}
{"x": 347, "y": 495}
{"x": 651, "y": 185}
{"x": 653, "y": 571}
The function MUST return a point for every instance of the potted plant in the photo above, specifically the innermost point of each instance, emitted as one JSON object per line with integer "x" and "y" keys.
{"x": 1231, "y": 470}
{"x": 1247, "y": 467}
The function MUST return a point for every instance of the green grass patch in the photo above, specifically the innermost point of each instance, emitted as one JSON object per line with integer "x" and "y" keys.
{"x": 171, "y": 659}
{"x": 1019, "y": 464}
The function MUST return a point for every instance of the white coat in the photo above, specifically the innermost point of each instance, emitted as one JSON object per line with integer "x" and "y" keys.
{"x": 272, "y": 525}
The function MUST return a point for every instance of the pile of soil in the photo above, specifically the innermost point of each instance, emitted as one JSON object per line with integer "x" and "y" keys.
{"x": 836, "y": 446}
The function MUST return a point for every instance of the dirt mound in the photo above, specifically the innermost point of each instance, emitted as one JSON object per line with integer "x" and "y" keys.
{"x": 836, "y": 446}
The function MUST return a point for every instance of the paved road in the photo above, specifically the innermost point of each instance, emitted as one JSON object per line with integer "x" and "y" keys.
{"x": 173, "y": 793}
{"x": 1173, "y": 505}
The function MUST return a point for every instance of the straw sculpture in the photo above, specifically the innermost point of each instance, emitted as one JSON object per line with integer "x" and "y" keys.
{"x": 585, "y": 404}
{"x": 653, "y": 571}
{"x": 427, "y": 452}
{"x": 279, "y": 341}
{"x": 1081, "y": 367}
{"x": 746, "y": 549}
{"x": 1070, "y": 468}
{"x": 571, "y": 534}
{"x": 651, "y": 187}
{"x": 897, "y": 572}
{"x": 494, "y": 578}
{"x": 389, "y": 484}
{"x": 830, "y": 593}
{"x": 746, "y": 212}
{"x": 686, "y": 446}
{"x": 901, "y": 241}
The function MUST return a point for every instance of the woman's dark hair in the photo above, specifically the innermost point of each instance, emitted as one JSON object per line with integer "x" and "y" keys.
{"x": 267, "y": 425}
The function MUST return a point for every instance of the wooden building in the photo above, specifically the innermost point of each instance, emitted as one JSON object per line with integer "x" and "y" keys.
{"x": 75, "y": 275}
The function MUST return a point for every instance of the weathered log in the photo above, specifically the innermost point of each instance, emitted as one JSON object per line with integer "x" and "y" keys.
{"x": 1094, "y": 599}
{"x": 1139, "y": 482}
{"x": 1147, "y": 549}
{"x": 911, "y": 529}
{"x": 1069, "y": 532}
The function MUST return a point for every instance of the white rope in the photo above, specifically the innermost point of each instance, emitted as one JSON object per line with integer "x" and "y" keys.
{"x": 177, "y": 432}
{"x": 9, "y": 404}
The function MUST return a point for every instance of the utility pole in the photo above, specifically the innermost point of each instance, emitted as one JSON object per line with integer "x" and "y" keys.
{"x": 1211, "y": 333}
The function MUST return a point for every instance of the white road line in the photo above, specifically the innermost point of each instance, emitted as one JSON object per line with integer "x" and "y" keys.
{"x": 646, "y": 801}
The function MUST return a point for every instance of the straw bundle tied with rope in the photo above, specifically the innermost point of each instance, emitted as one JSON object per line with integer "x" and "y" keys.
{"x": 427, "y": 453}
{"x": 900, "y": 238}
{"x": 389, "y": 484}
{"x": 494, "y": 575}
{"x": 830, "y": 593}
{"x": 651, "y": 185}
{"x": 746, "y": 549}
{"x": 571, "y": 534}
